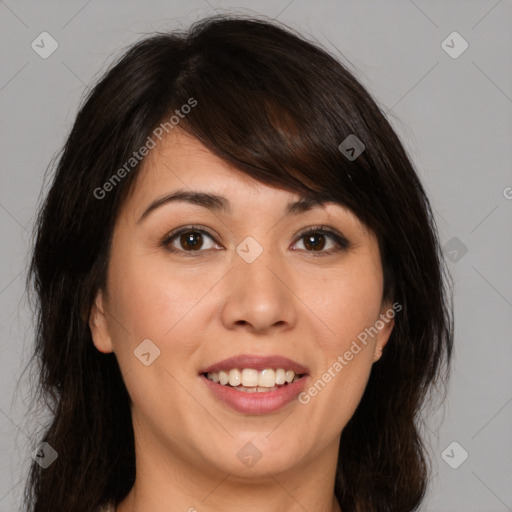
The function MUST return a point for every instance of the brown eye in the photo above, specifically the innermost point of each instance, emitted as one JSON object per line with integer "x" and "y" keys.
{"x": 188, "y": 240}
{"x": 191, "y": 240}
{"x": 314, "y": 241}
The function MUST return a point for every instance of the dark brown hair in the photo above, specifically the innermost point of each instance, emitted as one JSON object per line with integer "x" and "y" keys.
{"x": 277, "y": 107}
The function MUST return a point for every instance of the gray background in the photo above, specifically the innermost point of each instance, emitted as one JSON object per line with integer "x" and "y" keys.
{"x": 453, "y": 115}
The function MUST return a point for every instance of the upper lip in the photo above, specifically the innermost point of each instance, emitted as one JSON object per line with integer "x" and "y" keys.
{"x": 256, "y": 363}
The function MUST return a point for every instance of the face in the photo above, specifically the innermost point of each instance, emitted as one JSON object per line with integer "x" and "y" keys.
{"x": 191, "y": 285}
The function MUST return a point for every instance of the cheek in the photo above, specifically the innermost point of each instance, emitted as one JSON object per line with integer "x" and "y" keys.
{"x": 348, "y": 303}
{"x": 347, "y": 300}
{"x": 151, "y": 303}
{"x": 151, "y": 300}
{"x": 148, "y": 295}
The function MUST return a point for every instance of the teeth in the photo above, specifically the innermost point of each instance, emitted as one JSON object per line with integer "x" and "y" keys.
{"x": 267, "y": 378}
{"x": 223, "y": 378}
{"x": 249, "y": 377}
{"x": 280, "y": 376}
{"x": 255, "y": 389}
{"x": 235, "y": 378}
{"x": 251, "y": 381}
{"x": 214, "y": 377}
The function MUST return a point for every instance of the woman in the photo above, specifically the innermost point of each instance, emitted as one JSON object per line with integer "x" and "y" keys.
{"x": 242, "y": 296}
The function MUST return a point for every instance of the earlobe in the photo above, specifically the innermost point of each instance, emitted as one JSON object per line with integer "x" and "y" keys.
{"x": 377, "y": 354}
{"x": 99, "y": 326}
{"x": 386, "y": 327}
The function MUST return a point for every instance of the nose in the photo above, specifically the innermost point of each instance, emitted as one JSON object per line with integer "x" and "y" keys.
{"x": 259, "y": 296}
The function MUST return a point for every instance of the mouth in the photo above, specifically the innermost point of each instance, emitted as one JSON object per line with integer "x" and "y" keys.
{"x": 255, "y": 384}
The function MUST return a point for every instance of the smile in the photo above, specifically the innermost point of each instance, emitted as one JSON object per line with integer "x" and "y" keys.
{"x": 250, "y": 380}
{"x": 255, "y": 384}
{"x": 255, "y": 399}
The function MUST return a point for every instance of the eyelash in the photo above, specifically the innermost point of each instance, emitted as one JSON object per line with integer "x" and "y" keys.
{"x": 340, "y": 241}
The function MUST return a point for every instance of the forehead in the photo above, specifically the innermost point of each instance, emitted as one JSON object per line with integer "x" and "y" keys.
{"x": 181, "y": 161}
{"x": 181, "y": 169}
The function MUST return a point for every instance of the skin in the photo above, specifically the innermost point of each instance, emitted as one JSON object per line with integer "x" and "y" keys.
{"x": 199, "y": 310}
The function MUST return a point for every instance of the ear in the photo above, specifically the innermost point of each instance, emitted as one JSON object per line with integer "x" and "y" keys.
{"x": 99, "y": 325}
{"x": 385, "y": 324}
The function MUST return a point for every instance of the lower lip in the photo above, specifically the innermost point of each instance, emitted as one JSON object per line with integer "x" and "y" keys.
{"x": 258, "y": 402}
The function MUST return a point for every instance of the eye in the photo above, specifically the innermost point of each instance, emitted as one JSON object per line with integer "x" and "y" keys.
{"x": 190, "y": 239}
{"x": 315, "y": 240}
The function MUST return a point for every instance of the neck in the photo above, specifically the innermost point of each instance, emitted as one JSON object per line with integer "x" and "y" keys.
{"x": 133, "y": 503}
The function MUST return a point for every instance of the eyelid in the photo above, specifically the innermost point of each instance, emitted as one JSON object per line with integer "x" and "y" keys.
{"x": 166, "y": 242}
{"x": 338, "y": 237}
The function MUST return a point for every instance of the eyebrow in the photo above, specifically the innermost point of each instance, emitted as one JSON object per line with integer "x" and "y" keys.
{"x": 218, "y": 203}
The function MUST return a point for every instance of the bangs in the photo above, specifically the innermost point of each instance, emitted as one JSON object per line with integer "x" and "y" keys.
{"x": 273, "y": 119}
